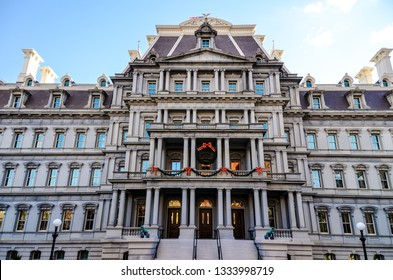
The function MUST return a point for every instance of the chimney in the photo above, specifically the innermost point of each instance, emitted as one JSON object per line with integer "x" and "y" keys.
{"x": 365, "y": 75}
{"x": 30, "y": 65}
{"x": 134, "y": 54}
{"x": 383, "y": 63}
{"x": 48, "y": 76}
{"x": 277, "y": 54}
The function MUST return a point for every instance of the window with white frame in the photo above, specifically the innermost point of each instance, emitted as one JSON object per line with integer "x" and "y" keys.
{"x": 59, "y": 140}
{"x": 205, "y": 86}
{"x": 323, "y": 219}
{"x": 100, "y": 141}
{"x": 3, "y": 210}
{"x": 332, "y": 141}
{"x": 357, "y": 103}
{"x": 316, "y": 177}
{"x": 354, "y": 256}
{"x": 53, "y": 174}
{"x": 121, "y": 166}
{"x": 96, "y": 102}
{"x": 178, "y": 86}
{"x": 384, "y": 178}
{"x": 38, "y": 139}
{"x": 144, "y": 165}
{"x": 90, "y": 212}
{"x": 31, "y": 175}
{"x": 9, "y": 175}
{"x": 205, "y": 43}
{"x": 96, "y": 171}
{"x": 80, "y": 139}
{"x": 146, "y": 133}
{"x": 124, "y": 135}
{"x": 44, "y": 218}
{"x": 151, "y": 87}
{"x": 22, "y": 214}
{"x": 390, "y": 219}
{"x": 56, "y": 102}
{"x": 68, "y": 212}
{"x": 311, "y": 141}
{"x": 369, "y": 219}
{"x": 75, "y": 171}
{"x": 232, "y": 86}
{"x": 17, "y": 101}
{"x": 360, "y": 176}
{"x": 18, "y": 138}
{"x": 346, "y": 219}
{"x": 375, "y": 141}
{"x": 385, "y": 83}
{"x": 35, "y": 255}
{"x": 354, "y": 141}
{"x": 339, "y": 178}
{"x": 259, "y": 87}
{"x": 83, "y": 255}
{"x": 316, "y": 102}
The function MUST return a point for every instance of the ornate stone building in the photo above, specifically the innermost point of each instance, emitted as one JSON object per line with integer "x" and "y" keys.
{"x": 205, "y": 137}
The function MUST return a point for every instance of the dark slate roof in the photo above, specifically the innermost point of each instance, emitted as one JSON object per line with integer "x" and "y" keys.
{"x": 336, "y": 100}
{"x": 187, "y": 43}
{"x": 38, "y": 99}
{"x": 224, "y": 43}
{"x": 247, "y": 44}
{"x": 164, "y": 44}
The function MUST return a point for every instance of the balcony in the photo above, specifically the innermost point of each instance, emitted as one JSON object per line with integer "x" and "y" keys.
{"x": 209, "y": 126}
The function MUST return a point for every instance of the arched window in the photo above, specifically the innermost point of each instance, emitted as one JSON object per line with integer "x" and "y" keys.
{"x": 35, "y": 255}
{"x": 385, "y": 83}
{"x": 379, "y": 257}
{"x": 29, "y": 82}
{"x": 66, "y": 83}
{"x": 346, "y": 83}
{"x": 205, "y": 203}
{"x": 59, "y": 255}
{"x": 308, "y": 83}
{"x": 103, "y": 83}
{"x": 237, "y": 204}
{"x": 83, "y": 255}
{"x": 13, "y": 255}
{"x": 174, "y": 203}
{"x": 354, "y": 257}
{"x": 329, "y": 256}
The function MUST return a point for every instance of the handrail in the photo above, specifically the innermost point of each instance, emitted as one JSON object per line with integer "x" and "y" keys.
{"x": 160, "y": 233}
{"x": 253, "y": 237}
{"x": 195, "y": 245}
{"x": 219, "y": 248}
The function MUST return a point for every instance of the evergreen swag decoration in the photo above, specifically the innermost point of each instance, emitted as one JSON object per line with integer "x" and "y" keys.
{"x": 188, "y": 171}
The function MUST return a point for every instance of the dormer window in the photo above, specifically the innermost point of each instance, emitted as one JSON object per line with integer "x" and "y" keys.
{"x": 103, "y": 83}
{"x": 385, "y": 83}
{"x": 57, "y": 98}
{"x": 16, "y": 103}
{"x": 346, "y": 83}
{"x": 356, "y": 99}
{"x": 316, "y": 99}
{"x": 17, "y": 98}
{"x": 96, "y": 102}
{"x": 56, "y": 101}
{"x": 308, "y": 83}
{"x": 96, "y": 99}
{"x": 66, "y": 83}
{"x": 357, "y": 104}
{"x": 316, "y": 102}
{"x": 29, "y": 82}
{"x": 205, "y": 43}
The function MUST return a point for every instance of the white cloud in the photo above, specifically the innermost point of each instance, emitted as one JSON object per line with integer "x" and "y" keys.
{"x": 383, "y": 36}
{"x": 320, "y": 38}
{"x": 313, "y": 8}
{"x": 343, "y": 5}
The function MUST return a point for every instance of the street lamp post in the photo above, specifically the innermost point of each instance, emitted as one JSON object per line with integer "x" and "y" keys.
{"x": 56, "y": 223}
{"x": 360, "y": 226}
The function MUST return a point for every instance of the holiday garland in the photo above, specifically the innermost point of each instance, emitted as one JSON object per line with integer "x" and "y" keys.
{"x": 154, "y": 170}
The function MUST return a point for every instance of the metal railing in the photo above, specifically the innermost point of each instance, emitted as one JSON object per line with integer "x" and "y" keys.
{"x": 195, "y": 245}
{"x": 159, "y": 233}
{"x": 218, "y": 239}
{"x": 259, "y": 250}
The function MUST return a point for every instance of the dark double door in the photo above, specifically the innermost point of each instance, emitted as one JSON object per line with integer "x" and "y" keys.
{"x": 205, "y": 223}
{"x": 173, "y": 222}
{"x": 238, "y": 223}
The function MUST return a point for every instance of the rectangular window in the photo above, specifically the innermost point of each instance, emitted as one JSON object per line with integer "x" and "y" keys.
{"x": 44, "y": 220}
{"x": 125, "y": 134}
{"x": 67, "y": 218}
{"x": 361, "y": 179}
{"x": 52, "y": 177}
{"x": 151, "y": 87}
{"x": 9, "y": 177}
{"x": 96, "y": 176}
{"x": 264, "y": 130}
{"x": 80, "y": 140}
{"x": 375, "y": 141}
{"x": 96, "y": 102}
{"x": 17, "y": 101}
{"x": 147, "y": 126}
{"x": 100, "y": 140}
{"x": 205, "y": 43}
{"x": 357, "y": 103}
{"x": 332, "y": 140}
{"x": 178, "y": 86}
{"x": 2, "y": 214}
{"x": 21, "y": 221}
{"x": 316, "y": 103}
{"x": 323, "y": 222}
{"x": 74, "y": 176}
{"x": 175, "y": 166}
{"x": 89, "y": 219}
{"x": 370, "y": 223}
{"x": 346, "y": 222}
{"x": 206, "y": 86}
{"x": 383, "y": 175}
{"x": 338, "y": 175}
{"x": 18, "y": 140}
{"x": 56, "y": 102}
{"x": 38, "y": 140}
{"x": 286, "y": 135}
{"x": 59, "y": 255}
{"x": 353, "y": 141}
{"x": 390, "y": 218}
{"x": 31, "y": 175}
{"x": 232, "y": 86}
{"x": 259, "y": 88}
{"x": 144, "y": 165}
{"x": 316, "y": 178}
{"x": 311, "y": 141}
{"x": 59, "y": 140}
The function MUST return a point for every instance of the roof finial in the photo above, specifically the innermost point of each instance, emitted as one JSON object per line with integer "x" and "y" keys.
{"x": 138, "y": 45}
{"x": 206, "y": 15}
{"x": 273, "y": 46}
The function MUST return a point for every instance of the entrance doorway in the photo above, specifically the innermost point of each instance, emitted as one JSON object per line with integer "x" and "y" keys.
{"x": 238, "y": 223}
{"x": 173, "y": 222}
{"x": 205, "y": 223}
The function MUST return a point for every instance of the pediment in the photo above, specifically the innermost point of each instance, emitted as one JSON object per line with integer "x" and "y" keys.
{"x": 205, "y": 55}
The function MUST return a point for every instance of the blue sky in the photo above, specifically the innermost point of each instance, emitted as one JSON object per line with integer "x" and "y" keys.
{"x": 326, "y": 38}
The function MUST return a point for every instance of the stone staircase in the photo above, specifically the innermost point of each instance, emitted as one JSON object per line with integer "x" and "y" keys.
{"x": 235, "y": 249}
{"x": 175, "y": 249}
{"x": 207, "y": 249}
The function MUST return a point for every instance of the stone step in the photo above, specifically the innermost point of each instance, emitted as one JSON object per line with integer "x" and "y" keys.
{"x": 175, "y": 249}
{"x": 233, "y": 249}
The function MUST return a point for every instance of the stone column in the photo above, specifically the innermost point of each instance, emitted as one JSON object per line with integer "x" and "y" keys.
{"x": 151, "y": 152}
{"x": 188, "y": 79}
{"x": 161, "y": 81}
{"x": 253, "y": 154}
{"x": 165, "y": 115}
{"x": 279, "y": 165}
{"x": 223, "y": 116}
{"x": 192, "y": 207}
{"x": 220, "y": 207}
{"x": 130, "y": 123}
{"x": 219, "y": 152}
{"x": 159, "y": 152}
{"x": 147, "y": 207}
{"x": 284, "y": 217}
{"x": 299, "y": 206}
{"x": 228, "y": 210}
{"x": 195, "y": 84}
{"x": 277, "y": 82}
{"x": 217, "y": 116}
{"x": 223, "y": 87}
{"x": 257, "y": 208}
{"x": 184, "y": 207}
{"x": 185, "y": 153}
{"x": 265, "y": 209}
{"x": 227, "y": 153}
{"x": 156, "y": 205}
{"x": 314, "y": 227}
{"x": 188, "y": 116}
{"x": 193, "y": 149}
{"x": 136, "y": 123}
{"x": 252, "y": 116}
{"x": 134, "y": 81}
{"x": 120, "y": 220}
{"x": 194, "y": 116}
{"x": 261, "y": 155}
{"x": 216, "y": 80}
{"x": 140, "y": 83}
{"x": 113, "y": 211}
{"x": 167, "y": 79}
{"x": 245, "y": 116}
{"x": 292, "y": 213}
{"x": 250, "y": 80}
{"x": 159, "y": 115}
{"x": 244, "y": 79}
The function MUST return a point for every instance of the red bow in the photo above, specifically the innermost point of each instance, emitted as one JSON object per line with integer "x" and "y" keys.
{"x": 188, "y": 171}
{"x": 259, "y": 170}
{"x": 223, "y": 169}
{"x": 204, "y": 145}
{"x": 154, "y": 170}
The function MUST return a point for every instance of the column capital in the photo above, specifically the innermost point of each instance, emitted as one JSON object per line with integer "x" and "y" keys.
{"x": 249, "y": 70}
{"x": 216, "y": 70}
{"x": 223, "y": 70}
{"x": 195, "y": 70}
